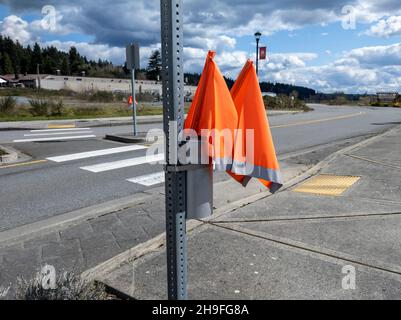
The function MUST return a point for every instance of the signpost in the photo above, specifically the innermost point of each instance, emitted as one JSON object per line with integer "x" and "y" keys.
{"x": 133, "y": 62}
{"x": 189, "y": 186}
{"x": 173, "y": 112}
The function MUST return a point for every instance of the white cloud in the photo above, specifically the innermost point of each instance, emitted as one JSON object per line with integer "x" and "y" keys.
{"x": 277, "y": 62}
{"x": 386, "y": 27}
{"x": 377, "y": 55}
{"x": 16, "y": 28}
{"x": 361, "y": 70}
{"x": 91, "y": 51}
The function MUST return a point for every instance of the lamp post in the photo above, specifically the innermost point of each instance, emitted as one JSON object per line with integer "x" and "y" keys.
{"x": 258, "y": 35}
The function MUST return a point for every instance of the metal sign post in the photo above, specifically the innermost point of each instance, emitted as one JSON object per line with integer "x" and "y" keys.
{"x": 133, "y": 100}
{"x": 132, "y": 64}
{"x": 173, "y": 112}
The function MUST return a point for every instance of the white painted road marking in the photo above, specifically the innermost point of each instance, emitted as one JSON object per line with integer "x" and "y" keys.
{"x": 124, "y": 163}
{"x": 54, "y": 133}
{"x": 149, "y": 180}
{"x": 56, "y": 130}
{"x": 96, "y": 153}
{"x": 54, "y": 139}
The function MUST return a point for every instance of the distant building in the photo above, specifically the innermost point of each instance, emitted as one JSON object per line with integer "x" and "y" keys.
{"x": 269, "y": 94}
{"x": 386, "y": 97}
{"x": 4, "y": 81}
{"x": 87, "y": 84}
{"x": 23, "y": 80}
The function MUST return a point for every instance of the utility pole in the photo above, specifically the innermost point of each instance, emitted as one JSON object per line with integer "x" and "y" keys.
{"x": 38, "y": 84}
{"x": 176, "y": 178}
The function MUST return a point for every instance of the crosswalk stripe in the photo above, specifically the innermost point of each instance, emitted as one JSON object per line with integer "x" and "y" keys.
{"x": 124, "y": 163}
{"x": 96, "y": 153}
{"x": 149, "y": 180}
{"x": 54, "y": 139}
{"x": 56, "y": 130}
{"x": 54, "y": 133}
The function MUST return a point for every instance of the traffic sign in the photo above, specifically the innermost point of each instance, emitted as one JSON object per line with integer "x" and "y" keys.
{"x": 133, "y": 57}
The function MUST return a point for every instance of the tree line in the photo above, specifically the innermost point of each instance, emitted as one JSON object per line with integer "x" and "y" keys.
{"x": 16, "y": 59}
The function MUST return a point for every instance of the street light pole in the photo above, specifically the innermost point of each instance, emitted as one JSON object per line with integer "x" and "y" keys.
{"x": 257, "y": 36}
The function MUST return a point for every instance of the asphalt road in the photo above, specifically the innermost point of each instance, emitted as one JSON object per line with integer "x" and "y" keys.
{"x": 44, "y": 188}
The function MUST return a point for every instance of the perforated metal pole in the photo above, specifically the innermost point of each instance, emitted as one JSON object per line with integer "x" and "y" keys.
{"x": 173, "y": 112}
{"x": 133, "y": 101}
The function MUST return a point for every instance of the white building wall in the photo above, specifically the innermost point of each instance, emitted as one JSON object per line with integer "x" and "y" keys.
{"x": 85, "y": 84}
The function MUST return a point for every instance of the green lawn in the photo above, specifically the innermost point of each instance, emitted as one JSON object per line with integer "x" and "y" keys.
{"x": 92, "y": 112}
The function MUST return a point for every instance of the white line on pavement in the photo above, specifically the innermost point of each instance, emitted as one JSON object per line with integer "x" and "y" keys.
{"x": 96, "y": 153}
{"x": 149, "y": 180}
{"x": 55, "y": 133}
{"x": 124, "y": 163}
{"x": 56, "y": 130}
{"x": 54, "y": 139}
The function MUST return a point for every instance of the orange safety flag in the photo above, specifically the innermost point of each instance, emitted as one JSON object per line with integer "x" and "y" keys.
{"x": 131, "y": 101}
{"x": 213, "y": 115}
{"x": 254, "y": 152}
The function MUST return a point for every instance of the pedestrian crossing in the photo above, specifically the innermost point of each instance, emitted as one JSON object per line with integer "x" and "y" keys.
{"x": 96, "y": 153}
{"x": 148, "y": 180}
{"x": 124, "y": 163}
{"x": 56, "y": 135}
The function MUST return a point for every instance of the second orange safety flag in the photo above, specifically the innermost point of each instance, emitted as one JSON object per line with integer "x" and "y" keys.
{"x": 254, "y": 152}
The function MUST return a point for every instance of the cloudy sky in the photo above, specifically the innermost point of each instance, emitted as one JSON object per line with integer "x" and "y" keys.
{"x": 338, "y": 45}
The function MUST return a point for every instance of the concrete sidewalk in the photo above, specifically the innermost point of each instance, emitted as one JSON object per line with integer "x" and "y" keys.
{"x": 98, "y": 122}
{"x": 291, "y": 245}
{"x": 83, "y": 239}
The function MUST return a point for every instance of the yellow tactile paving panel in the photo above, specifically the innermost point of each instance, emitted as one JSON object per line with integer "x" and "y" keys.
{"x": 60, "y": 126}
{"x": 327, "y": 185}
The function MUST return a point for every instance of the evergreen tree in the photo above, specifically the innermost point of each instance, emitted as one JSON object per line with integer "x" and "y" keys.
{"x": 74, "y": 60}
{"x": 37, "y": 58}
{"x": 65, "y": 69}
{"x": 7, "y": 64}
{"x": 154, "y": 68}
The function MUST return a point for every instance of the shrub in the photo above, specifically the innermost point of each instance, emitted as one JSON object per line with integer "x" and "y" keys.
{"x": 69, "y": 286}
{"x": 146, "y": 97}
{"x": 38, "y": 107}
{"x": 46, "y": 108}
{"x": 102, "y": 96}
{"x": 88, "y": 111}
{"x": 7, "y": 105}
{"x": 283, "y": 102}
{"x": 56, "y": 108}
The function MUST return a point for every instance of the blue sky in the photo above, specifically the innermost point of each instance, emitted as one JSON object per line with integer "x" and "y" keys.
{"x": 307, "y": 41}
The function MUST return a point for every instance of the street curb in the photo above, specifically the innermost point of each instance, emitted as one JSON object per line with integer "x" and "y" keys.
{"x": 156, "y": 243}
{"x": 94, "y": 123}
{"x": 60, "y": 222}
{"x": 11, "y": 155}
{"x": 117, "y": 124}
{"x": 141, "y": 138}
{"x": 84, "y": 124}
